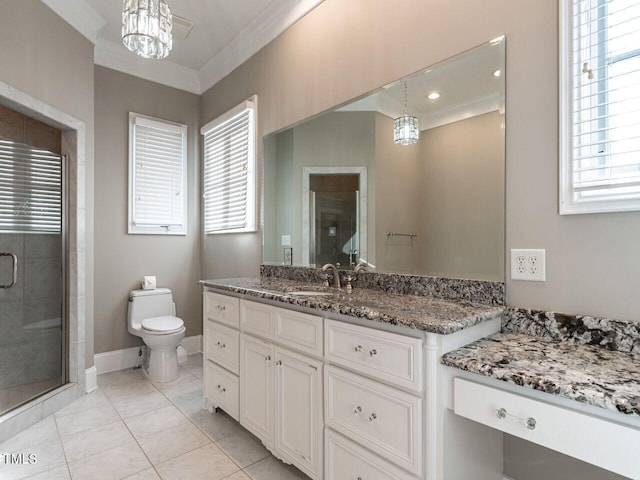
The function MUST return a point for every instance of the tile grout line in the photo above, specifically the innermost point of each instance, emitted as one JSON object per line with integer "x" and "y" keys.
{"x": 64, "y": 451}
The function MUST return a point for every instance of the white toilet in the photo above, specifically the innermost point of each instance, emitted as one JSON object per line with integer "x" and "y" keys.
{"x": 152, "y": 317}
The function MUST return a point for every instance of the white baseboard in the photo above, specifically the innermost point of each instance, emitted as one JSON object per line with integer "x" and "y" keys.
{"x": 117, "y": 359}
{"x": 126, "y": 358}
{"x": 192, "y": 344}
{"x": 90, "y": 379}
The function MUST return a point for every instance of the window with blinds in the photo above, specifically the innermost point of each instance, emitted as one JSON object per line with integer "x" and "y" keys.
{"x": 30, "y": 189}
{"x": 157, "y": 176}
{"x": 600, "y": 106}
{"x": 229, "y": 171}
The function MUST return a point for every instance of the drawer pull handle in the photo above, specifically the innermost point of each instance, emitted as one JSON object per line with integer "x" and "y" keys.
{"x": 372, "y": 417}
{"x": 357, "y": 348}
{"x": 221, "y": 388}
{"x": 222, "y": 308}
{"x": 279, "y": 362}
{"x": 530, "y": 422}
{"x": 267, "y": 358}
{"x": 221, "y": 345}
{"x": 357, "y": 410}
{"x": 373, "y": 352}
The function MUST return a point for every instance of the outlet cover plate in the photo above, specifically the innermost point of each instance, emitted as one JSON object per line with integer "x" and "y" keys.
{"x": 528, "y": 264}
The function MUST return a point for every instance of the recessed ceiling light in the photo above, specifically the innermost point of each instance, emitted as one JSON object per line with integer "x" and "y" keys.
{"x": 496, "y": 40}
{"x": 433, "y": 96}
{"x": 496, "y": 73}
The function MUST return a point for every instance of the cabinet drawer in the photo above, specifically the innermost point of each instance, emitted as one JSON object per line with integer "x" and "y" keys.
{"x": 222, "y": 389}
{"x": 383, "y": 355}
{"x": 299, "y": 330}
{"x": 382, "y": 418}
{"x": 258, "y": 319}
{"x": 345, "y": 459}
{"x": 223, "y": 346}
{"x": 594, "y": 440}
{"x": 222, "y": 308}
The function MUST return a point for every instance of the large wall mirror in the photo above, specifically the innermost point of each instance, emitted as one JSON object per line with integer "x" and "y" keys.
{"x": 338, "y": 189}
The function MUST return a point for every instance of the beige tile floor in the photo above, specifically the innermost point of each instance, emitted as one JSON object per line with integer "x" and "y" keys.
{"x": 132, "y": 428}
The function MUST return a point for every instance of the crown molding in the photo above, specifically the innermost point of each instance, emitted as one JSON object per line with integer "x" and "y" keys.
{"x": 461, "y": 111}
{"x": 117, "y": 57}
{"x": 80, "y": 16}
{"x": 260, "y": 32}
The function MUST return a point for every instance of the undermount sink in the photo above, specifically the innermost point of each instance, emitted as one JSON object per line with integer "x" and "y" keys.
{"x": 309, "y": 293}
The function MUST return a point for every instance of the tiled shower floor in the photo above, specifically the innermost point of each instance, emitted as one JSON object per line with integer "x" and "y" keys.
{"x": 135, "y": 429}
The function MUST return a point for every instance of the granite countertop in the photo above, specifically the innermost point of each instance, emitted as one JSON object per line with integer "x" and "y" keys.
{"x": 423, "y": 313}
{"x": 586, "y": 373}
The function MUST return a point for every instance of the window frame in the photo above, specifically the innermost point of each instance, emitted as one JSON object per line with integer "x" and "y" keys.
{"x": 251, "y": 104}
{"x": 568, "y": 205}
{"x": 132, "y": 228}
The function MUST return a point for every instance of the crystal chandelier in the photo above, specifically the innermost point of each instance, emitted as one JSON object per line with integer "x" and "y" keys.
{"x": 405, "y": 128}
{"x": 146, "y": 27}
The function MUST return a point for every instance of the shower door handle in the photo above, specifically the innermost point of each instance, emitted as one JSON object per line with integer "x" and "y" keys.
{"x": 14, "y": 275}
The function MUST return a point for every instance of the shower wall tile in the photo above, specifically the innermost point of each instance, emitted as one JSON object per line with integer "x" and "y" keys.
{"x": 41, "y": 310}
{"x": 42, "y": 278}
{"x": 43, "y": 246}
{"x": 12, "y": 243}
{"x": 11, "y": 321}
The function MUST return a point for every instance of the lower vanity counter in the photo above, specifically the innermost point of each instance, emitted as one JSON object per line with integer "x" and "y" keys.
{"x": 346, "y": 385}
{"x": 579, "y": 399}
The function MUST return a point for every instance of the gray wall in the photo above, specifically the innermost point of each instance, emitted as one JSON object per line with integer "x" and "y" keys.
{"x": 464, "y": 163}
{"x": 43, "y": 56}
{"x": 344, "y": 49}
{"x": 124, "y": 259}
{"x": 591, "y": 259}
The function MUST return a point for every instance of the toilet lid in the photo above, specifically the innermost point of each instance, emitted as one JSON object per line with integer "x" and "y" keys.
{"x": 166, "y": 324}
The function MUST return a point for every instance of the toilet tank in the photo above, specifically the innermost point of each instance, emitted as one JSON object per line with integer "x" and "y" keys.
{"x": 149, "y": 303}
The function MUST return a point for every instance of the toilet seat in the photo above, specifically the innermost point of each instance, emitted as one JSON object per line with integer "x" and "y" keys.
{"x": 165, "y": 325}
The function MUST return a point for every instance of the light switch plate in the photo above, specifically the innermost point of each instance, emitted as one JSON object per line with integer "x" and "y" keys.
{"x": 528, "y": 264}
{"x": 286, "y": 240}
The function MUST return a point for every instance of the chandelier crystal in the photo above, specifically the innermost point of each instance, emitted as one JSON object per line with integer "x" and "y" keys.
{"x": 405, "y": 128}
{"x": 146, "y": 27}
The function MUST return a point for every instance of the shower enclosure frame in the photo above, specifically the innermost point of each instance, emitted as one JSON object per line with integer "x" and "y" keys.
{"x": 74, "y": 288}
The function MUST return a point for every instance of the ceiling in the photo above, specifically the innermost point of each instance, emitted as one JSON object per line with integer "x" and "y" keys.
{"x": 466, "y": 84}
{"x": 225, "y": 34}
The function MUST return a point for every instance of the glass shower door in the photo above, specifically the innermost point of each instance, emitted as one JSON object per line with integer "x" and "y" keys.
{"x": 32, "y": 313}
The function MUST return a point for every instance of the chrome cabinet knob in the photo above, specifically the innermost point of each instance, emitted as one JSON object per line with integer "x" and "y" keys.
{"x": 531, "y": 423}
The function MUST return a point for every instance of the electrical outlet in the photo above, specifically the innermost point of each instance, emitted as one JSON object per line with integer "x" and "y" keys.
{"x": 528, "y": 265}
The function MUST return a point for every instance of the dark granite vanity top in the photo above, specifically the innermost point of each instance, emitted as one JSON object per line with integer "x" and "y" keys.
{"x": 424, "y": 313}
{"x": 597, "y": 367}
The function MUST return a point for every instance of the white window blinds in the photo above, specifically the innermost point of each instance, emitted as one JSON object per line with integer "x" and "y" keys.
{"x": 157, "y": 170}
{"x": 600, "y": 121}
{"x": 229, "y": 171}
{"x": 30, "y": 189}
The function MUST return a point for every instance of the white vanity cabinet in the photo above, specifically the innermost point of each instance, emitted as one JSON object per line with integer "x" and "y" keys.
{"x": 381, "y": 417}
{"x": 344, "y": 398}
{"x": 281, "y": 389}
{"x": 221, "y": 344}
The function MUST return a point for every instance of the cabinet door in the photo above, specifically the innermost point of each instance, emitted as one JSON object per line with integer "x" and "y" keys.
{"x": 299, "y": 411}
{"x": 257, "y": 388}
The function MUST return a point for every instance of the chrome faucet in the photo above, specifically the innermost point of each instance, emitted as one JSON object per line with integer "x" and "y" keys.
{"x": 334, "y": 270}
{"x": 360, "y": 267}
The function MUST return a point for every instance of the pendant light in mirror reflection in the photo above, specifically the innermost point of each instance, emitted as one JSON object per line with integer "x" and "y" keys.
{"x": 146, "y": 27}
{"x": 405, "y": 128}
